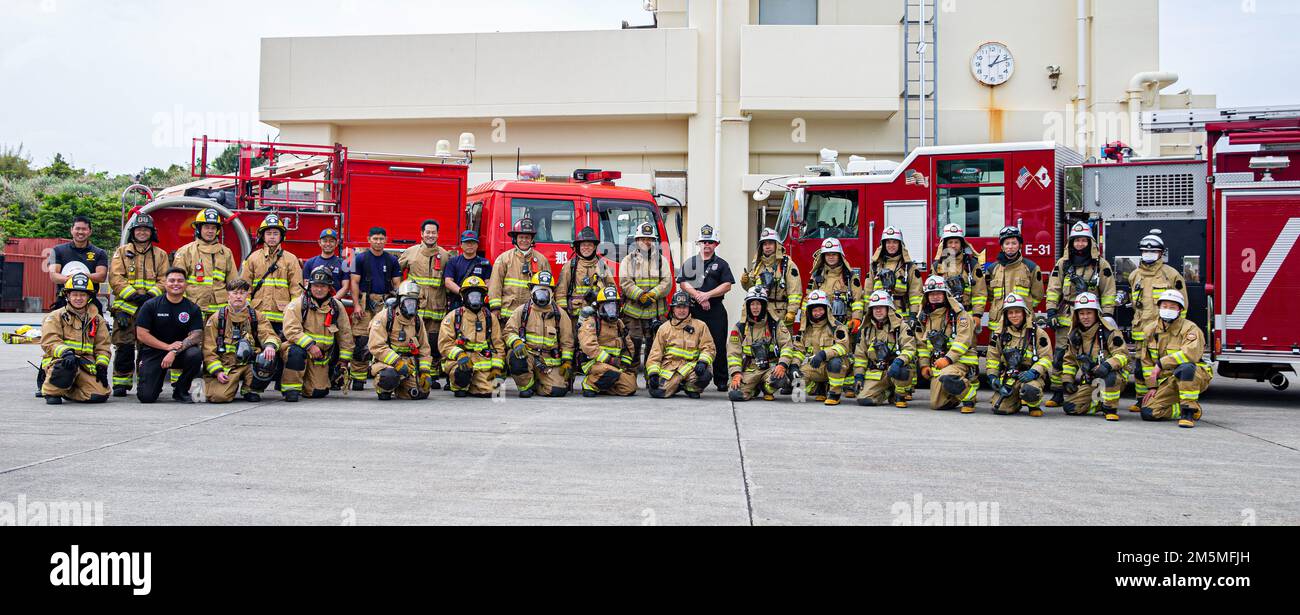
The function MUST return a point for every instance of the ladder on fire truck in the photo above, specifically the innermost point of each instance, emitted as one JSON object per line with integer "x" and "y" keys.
{"x": 920, "y": 74}
{"x": 1195, "y": 120}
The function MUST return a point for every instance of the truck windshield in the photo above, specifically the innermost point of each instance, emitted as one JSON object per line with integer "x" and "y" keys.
{"x": 784, "y": 220}
{"x": 618, "y": 223}
{"x": 554, "y": 218}
{"x": 831, "y": 213}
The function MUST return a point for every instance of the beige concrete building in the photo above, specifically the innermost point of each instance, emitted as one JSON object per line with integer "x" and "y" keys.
{"x": 722, "y": 94}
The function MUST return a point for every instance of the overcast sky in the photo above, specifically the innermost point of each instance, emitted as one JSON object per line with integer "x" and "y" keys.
{"x": 103, "y": 82}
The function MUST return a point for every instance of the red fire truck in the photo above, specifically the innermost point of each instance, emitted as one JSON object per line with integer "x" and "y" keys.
{"x": 980, "y": 187}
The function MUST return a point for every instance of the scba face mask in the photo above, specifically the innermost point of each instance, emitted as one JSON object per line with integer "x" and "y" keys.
{"x": 542, "y": 296}
{"x": 1150, "y": 257}
{"x": 609, "y": 311}
{"x": 409, "y": 307}
{"x": 474, "y": 300}
{"x": 1167, "y": 314}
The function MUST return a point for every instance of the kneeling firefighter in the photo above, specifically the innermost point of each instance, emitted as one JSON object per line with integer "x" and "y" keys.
{"x": 948, "y": 358}
{"x": 681, "y": 356}
{"x": 320, "y": 339}
{"x": 470, "y": 343}
{"x": 540, "y": 338}
{"x": 76, "y": 344}
{"x": 1019, "y": 360}
{"x": 1095, "y": 356}
{"x": 823, "y": 347}
{"x": 399, "y": 344}
{"x": 1174, "y": 362}
{"x": 885, "y": 350}
{"x": 603, "y": 339}
{"x": 760, "y": 351}
{"x": 239, "y": 349}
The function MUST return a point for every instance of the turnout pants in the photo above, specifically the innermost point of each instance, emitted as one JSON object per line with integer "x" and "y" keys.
{"x": 123, "y": 339}
{"x": 953, "y": 386}
{"x": 361, "y": 359}
{"x": 818, "y": 379}
{"x": 549, "y": 382}
{"x": 756, "y": 383}
{"x": 479, "y": 381}
{"x": 1178, "y": 396}
{"x": 150, "y": 374}
{"x": 1082, "y": 401}
{"x": 308, "y": 376}
{"x": 605, "y": 378}
{"x": 85, "y": 387}
{"x": 388, "y": 380}
{"x": 688, "y": 383}
{"x": 877, "y": 386}
{"x": 241, "y": 382}
{"x": 1022, "y": 394}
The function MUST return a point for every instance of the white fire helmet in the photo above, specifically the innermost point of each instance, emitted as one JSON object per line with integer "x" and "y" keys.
{"x": 1173, "y": 295}
{"x": 1080, "y": 229}
{"x": 817, "y": 297}
{"x": 881, "y": 298}
{"x": 952, "y": 231}
{"x": 1152, "y": 241}
{"x": 936, "y": 284}
{"x": 1014, "y": 301}
{"x": 832, "y": 246}
{"x": 768, "y": 234}
{"x": 1087, "y": 301}
{"x": 891, "y": 232}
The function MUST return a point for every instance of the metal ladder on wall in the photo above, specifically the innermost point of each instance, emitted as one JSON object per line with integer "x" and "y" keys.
{"x": 920, "y": 71}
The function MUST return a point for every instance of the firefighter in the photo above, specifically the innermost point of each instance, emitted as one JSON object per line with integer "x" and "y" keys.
{"x": 424, "y": 264}
{"x": 375, "y": 275}
{"x": 946, "y": 344}
{"x": 319, "y": 336}
{"x": 403, "y": 363}
{"x": 1019, "y": 360}
{"x": 540, "y": 338}
{"x": 586, "y": 273}
{"x": 135, "y": 275}
{"x": 274, "y": 274}
{"x": 835, "y": 277}
{"x": 603, "y": 340}
{"x": 207, "y": 262}
{"x": 1175, "y": 365}
{"x": 958, "y": 264}
{"x": 822, "y": 347}
{"x": 1081, "y": 271}
{"x": 1011, "y": 273}
{"x": 760, "y": 351}
{"x": 513, "y": 271}
{"x": 682, "y": 354}
{"x": 772, "y": 270}
{"x": 1146, "y": 283}
{"x": 239, "y": 350}
{"x": 77, "y": 347}
{"x": 645, "y": 279}
{"x": 884, "y": 355}
{"x": 472, "y": 350}
{"x": 892, "y": 270}
{"x": 1095, "y": 356}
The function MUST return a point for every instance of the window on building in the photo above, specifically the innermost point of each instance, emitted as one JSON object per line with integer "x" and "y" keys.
{"x": 554, "y": 218}
{"x": 831, "y": 213}
{"x": 972, "y": 194}
{"x": 787, "y": 12}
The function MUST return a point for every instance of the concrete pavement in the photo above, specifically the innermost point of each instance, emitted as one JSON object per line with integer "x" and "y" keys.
{"x": 637, "y": 461}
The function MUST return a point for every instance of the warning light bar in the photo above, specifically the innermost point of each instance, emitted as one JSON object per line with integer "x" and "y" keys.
{"x": 585, "y": 176}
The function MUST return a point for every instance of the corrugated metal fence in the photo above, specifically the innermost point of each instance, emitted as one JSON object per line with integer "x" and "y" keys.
{"x": 34, "y": 254}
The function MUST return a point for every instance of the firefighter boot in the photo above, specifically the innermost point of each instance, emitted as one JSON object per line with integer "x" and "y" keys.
{"x": 1058, "y": 398}
{"x": 833, "y": 399}
{"x": 968, "y": 407}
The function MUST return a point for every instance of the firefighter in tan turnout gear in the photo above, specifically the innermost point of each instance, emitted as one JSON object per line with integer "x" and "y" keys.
{"x": 893, "y": 271}
{"x": 274, "y": 273}
{"x": 207, "y": 262}
{"x": 1012, "y": 273}
{"x": 319, "y": 339}
{"x": 885, "y": 350}
{"x": 399, "y": 343}
{"x": 836, "y": 278}
{"x": 1175, "y": 364}
{"x": 946, "y": 343}
{"x": 513, "y": 271}
{"x": 1146, "y": 283}
{"x": 604, "y": 342}
{"x": 1080, "y": 271}
{"x": 471, "y": 346}
{"x": 823, "y": 349}
{"x": 760, "y": 351}
{"x": 645, "y": 279}
{"x": 424, "y": 265}
{"x": 585, "y": 275}
{"x": 135, "y": 275}
{"x": 962, "y": 269}
{"x": 1095, "y": 356}
{"x": 778, "y": 276}
{"x": 239, "y": 350}
{"x": 76, "y": 344}
{"x": 539, "y": 337}
{"x": 1019, "y": 360}
{"x": 681, "y": 357}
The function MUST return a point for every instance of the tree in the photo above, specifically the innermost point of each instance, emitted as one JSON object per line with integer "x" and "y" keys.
{"x": 14, "y": 164}
{"x": 59, "y": 168}
{"x": 227, "y": 162}
{"x": 54, "y": 217}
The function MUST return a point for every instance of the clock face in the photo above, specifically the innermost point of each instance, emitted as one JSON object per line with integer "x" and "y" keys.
{"x": 992, "y": 64}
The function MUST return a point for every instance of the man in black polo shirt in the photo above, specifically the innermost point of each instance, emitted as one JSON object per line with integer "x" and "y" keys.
{"x": 707, "y": 278}
{"x": 170, "y": 333}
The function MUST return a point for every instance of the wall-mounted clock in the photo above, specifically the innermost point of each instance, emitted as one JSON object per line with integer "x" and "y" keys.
{"x": 992, "y": 64}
